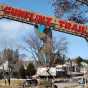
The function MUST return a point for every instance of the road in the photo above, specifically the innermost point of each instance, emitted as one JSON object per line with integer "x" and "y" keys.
{"x": 73, "y": 83}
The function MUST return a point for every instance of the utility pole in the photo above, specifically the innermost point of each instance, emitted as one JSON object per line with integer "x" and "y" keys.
{"x": 45, "y": 34}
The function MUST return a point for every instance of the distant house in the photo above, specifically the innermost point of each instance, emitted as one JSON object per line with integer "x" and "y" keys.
{"x": 46, "y": 71}
{"x": 71, "y": 66}
{"x": 84, "y": 68}
{"x": 4, "y": 66}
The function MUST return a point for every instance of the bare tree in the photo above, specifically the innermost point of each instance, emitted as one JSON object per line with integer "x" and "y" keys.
{"x": 12, "y": 57}
{"x": 71, "y": 10}
{"x": 34, "y": 45}
{"x": 83, "y": 1}
{"x": 47, "y": 50}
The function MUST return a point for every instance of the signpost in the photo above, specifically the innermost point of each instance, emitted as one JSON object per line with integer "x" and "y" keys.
{"x": 29, "y": 17}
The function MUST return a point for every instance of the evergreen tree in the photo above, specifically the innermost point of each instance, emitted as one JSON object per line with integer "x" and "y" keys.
{"x": 22, "y": 72}
{"x": 30, "y": 70}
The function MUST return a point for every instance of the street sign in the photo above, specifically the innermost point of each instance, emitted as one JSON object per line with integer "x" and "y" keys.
{"x": 29, "y": 17}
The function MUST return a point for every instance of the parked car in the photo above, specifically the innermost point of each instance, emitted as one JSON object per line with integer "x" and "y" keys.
{"x": 83, "y": 81}
{"x": 30, "y": 82}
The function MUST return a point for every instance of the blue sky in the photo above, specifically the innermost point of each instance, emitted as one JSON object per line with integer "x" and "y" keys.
{"x": 12, "y": 32}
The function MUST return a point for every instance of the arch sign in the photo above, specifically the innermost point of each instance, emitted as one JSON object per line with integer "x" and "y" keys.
{"x": 34, "y": 18}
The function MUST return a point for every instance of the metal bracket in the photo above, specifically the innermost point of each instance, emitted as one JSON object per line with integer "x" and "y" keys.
{"x": 86, "y": 39}
{"x": 1, "y": 11}
{"x": 1, "y": 14}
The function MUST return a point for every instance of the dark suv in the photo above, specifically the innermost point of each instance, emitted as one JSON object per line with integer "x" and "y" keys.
{"x": 30, "y": 82}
